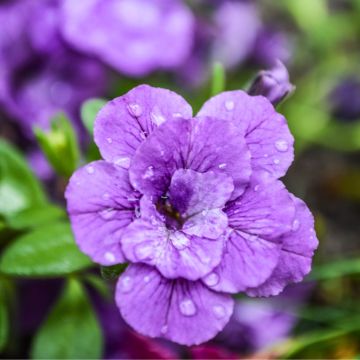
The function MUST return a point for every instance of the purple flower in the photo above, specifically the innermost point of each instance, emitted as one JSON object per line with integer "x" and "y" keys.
{"x": 274, "y": 84}
{"x": 194, "y": 204}
{"x": 133, "y": 36}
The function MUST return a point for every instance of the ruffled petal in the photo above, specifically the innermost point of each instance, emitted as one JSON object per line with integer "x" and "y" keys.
{"x": 296, "y": 254}
{"x": 173, "y": 252}
{"x": 266, "y": 131}
{"x": 125, "y": 122}
{"x": 182, "y": 311}
{"x": 100, "y": 203}
{"x": 248, "y": 260}
{"x": 200, "y": 144}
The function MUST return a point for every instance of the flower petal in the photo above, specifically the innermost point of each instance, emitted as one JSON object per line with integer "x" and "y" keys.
{"x": 200, "y": 144}
{"x": 123, "y": 124}
{"x": 182, "y": 311}
{"x": 100, "y": 203}
{"x": 173, "y": 252}
{"x": 247, "y": 261}
{"x": 191, "y": 192}
{"x": 266, "y": 131}
{"x": 296, "y": 254}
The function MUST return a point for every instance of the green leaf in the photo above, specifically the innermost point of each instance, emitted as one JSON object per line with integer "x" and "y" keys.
{"x": 335, "y": 269}
{"x": 35, "y": 217}
{"x": 71, "y": 331}
{"x": 19, "y": 188}
{"x": 112, "y": 272}
{"x": 4, "y": 322}
{"x": 60, "y": 145}
{"x": 47, "y": 251}
{"x": 89, "y": 110}
{"x": 218, "y": 79}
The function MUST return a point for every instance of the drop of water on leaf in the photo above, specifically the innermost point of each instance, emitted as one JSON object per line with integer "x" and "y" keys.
{"x": 135, "y": 109}
{"x": 126, "y": 284}
{"x": 219, "y": 311}
{"x": 229, "y": 105}
{"x": 187, "y": 307}
{"x": 281, "y": 145}
{"x": 211, "y": 279}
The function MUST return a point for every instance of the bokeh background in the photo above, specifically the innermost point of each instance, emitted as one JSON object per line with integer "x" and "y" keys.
{"x": 56, "y": 56}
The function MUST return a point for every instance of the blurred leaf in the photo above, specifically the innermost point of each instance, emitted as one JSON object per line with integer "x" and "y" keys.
{"x": 335, "y": 269}
{"x": 112, "y": 272}
{"x": 71, "y": 331}
{"x": 19, "y": 188}
{"x": 60, "y": 145}
{"x": 47, "y": 251}
{"x": 98, "y": 284}
{"x": 89, "y": 110}
{"x": 218, "y": 79}
{"x": 35, "y": 217}
{"x": 4, "y": 322}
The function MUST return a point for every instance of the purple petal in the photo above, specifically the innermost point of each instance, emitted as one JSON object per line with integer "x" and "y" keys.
{"x": 191, "y": 192}
{"x": 174, "y": 252}
{"x": 266, "y": 132}
{"x": 100, "y": 203}
{"x": 265, "y": 209}
{"x": 200, "y": 144}
{"x": 296, "y": 254}
{"x": 247, "y": 259}
{"x": 123, "y": 124}
{"x": 179, "y": 310}
{"x": 133, "y": 36}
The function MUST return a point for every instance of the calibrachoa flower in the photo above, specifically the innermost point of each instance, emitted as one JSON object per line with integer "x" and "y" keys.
{"x": 133, "y": 36}
{"x": 195, "y": 206}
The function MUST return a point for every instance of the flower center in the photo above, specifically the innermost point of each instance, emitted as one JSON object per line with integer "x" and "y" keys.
{"x": 173, "y": 218}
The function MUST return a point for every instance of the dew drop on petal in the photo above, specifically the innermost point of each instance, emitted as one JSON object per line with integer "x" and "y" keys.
{"x": 106, "y": 196}
{"x": 211, "y": 279}
{"x": 156, "y": 116}
{"x": 109, "y": 256}
{"x": 187, "y": 307}
{"x": 177, "y": 115}
{"x": 281, "y": 145}
{"x": 222, "y": 166}
{"x": 146, "y": 278}
{"x": 90, "y": 169}
{"x": 137, "y": 212}
{"x": 135, "y": 109}
{"x": 276, "y": 161}
{"x": 122, "y": 161}
{"x": 256, "y": 188}
{"x": 164, "y": 329}
{"x": 149, "y": 172}
{"x": 107, "y": 214}
{"x": 109, "y": 140}
{"x": 143, "y": 135}
{"x": 295, "y": 225}
{"x": 219, "y": 311}
{"x": 126, "y": 284}
{"x": 180, "y": 241}
{"x": 229, "y": 105}
{"x": 266, "y": 155}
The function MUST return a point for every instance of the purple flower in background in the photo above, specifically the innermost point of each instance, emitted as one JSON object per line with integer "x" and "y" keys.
{"x": 133, "y": 36}
{"x": 274, "y": 84}
{"x": 194, "y": 204}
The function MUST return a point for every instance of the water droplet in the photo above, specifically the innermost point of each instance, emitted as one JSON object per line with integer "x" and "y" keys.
{"x": 204, "y": 212}
{"x": 281, "y": 145}
{"x": 109, "y": 140}
{"x": 90, "y": 169}
{"x": 276, "y": 161}
{"x": 229, "y": 105}
{"x": 107, "y": 214}
{"x": 211, "y": 279}
{"x": 109, "y": 256}
{"x": 131, "y": 199}
{"x": 106, "y": 196}
{"x": 256, "y": 188}
{"x": 222, "y": 166}
{"x": 187, "y": 307}
{"x": 135, "y": 109}
{"x": 177, "y": 115}
{"x": 137, "y": 212}
{"x": 122, "y": 161}
{"x": 126, "y": 284}
{"x": 266, "y": 155}
{"x": 164, "y": 329}
{"x": 149, "y": 172}
{"x": 180, "y": 241}
{"x": 219, "y": 311}
{"x": 143, "y": 135}
{"x": 295, "y": 225}
{"x": 146, "y": 278}
{"x": 156, "y": 116}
